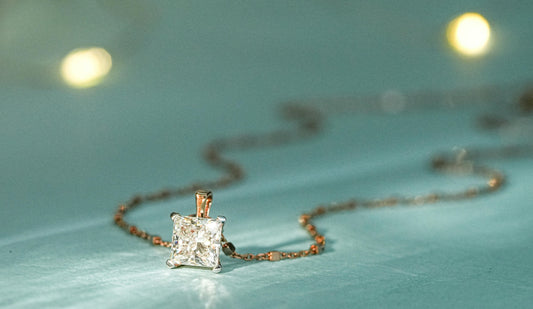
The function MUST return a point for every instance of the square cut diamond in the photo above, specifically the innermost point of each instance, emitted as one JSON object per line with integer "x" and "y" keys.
{"x": 196, "y": 241}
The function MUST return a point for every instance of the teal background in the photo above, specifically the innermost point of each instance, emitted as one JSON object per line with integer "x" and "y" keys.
{"x": 187, "y": 72}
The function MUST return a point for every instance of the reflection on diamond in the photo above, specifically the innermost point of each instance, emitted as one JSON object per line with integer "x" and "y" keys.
{"x": 196, "y": 241}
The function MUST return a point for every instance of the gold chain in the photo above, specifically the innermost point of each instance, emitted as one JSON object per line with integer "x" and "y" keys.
{"x": 309, "y": 117}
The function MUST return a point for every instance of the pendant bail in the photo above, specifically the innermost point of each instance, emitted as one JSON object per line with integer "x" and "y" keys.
{"x": 204, "y": 198}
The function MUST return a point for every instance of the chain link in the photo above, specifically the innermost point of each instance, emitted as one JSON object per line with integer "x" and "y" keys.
{"x": 309, "y": 117}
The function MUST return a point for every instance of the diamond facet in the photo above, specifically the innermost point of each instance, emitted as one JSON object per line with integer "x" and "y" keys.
{"x": 196, "y": 241}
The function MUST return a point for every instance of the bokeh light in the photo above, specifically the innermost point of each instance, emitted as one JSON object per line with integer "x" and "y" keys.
{"x": 85, "y": 67}
{"x": 469, "y": 34}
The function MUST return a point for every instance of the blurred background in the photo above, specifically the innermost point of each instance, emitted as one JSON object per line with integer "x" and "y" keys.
{"x": 100, "y": 100}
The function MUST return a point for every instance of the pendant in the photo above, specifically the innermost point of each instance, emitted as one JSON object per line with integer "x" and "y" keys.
{"x": 196, "y": 239}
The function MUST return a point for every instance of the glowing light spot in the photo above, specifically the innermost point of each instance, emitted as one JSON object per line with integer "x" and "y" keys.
{"x": 84, "y": 68}
{"x": 469, "y": 34}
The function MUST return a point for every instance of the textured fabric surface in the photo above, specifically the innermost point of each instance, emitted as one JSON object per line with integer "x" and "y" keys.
{"x": 193, "y": 71}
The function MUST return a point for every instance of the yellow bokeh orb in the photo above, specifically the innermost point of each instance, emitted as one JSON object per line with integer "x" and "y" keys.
{"x": 85, "y": 67}
{"x": 469, "y": 34}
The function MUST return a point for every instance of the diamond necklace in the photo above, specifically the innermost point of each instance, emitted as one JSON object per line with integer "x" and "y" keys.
{"x": 198, "y": 239}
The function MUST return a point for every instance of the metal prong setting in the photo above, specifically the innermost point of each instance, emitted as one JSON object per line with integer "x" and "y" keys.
{"x": 171, "y": 264}
{"x": 217, "y": 268}
{"x": 173, "y": 215}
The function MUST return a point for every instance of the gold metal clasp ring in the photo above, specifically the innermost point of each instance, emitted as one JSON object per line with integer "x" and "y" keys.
{"x": 204, "y": 199}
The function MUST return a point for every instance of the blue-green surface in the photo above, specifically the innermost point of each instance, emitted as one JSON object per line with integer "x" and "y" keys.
{"x": 187, "y": 72}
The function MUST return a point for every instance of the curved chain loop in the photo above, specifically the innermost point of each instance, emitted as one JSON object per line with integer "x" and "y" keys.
{"x": 309, "y": 117}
